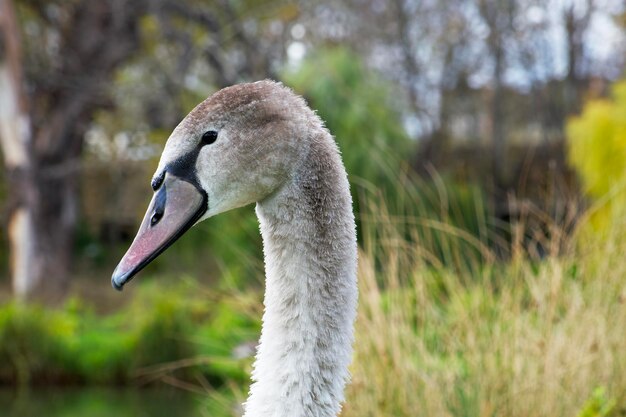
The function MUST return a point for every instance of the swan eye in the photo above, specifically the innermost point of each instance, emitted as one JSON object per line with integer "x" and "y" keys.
{"x": 209, "y": 137}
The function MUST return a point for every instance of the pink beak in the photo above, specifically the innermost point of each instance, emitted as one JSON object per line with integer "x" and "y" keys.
{"x": 176, "y": 206}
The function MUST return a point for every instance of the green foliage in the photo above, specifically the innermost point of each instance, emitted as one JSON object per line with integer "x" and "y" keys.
{"x": 160, "y": 327}
{"x": 27, "y": 341}
{"x": 161, "y": 334}
{"x": 598, "y": 142}
{"x": 600, "y": 404}
{"x": 451, "y": 222}
{"x": 597, "y": 149}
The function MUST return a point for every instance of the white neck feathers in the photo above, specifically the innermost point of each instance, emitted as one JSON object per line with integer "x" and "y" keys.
{"x": 310, "y": 252}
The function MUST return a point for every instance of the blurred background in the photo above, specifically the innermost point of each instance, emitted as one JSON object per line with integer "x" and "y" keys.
{"x": 485, "y": 142}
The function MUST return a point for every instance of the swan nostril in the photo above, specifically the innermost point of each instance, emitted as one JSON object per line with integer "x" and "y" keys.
{"x": 156, "y": 216}
{"x": 159, "y": 201}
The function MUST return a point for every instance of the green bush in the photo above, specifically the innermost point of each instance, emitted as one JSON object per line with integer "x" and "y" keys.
{"x": 163, "y": 326}
{"x": 28, "y": 342}
{"x": 597, "y": 149}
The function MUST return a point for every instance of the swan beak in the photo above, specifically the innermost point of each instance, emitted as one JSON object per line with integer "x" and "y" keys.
{"x": 176, "y": 206}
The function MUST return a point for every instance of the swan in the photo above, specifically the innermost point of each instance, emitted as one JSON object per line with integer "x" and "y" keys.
{"x": 260, "y": 143}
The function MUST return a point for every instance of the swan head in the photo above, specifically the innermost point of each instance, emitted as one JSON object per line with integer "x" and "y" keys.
{"x": 237, "y": 147}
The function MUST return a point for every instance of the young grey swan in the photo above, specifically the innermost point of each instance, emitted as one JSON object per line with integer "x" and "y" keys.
{"x": 261, "y": 143}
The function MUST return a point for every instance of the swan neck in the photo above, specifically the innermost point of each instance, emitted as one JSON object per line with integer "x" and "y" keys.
{"x": 310, "y": 299}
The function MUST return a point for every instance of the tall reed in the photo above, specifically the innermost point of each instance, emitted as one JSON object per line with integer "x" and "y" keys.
{"x": 467, "y": 333}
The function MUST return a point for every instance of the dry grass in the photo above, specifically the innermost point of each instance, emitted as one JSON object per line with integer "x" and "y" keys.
{"x": 529, "y": 337}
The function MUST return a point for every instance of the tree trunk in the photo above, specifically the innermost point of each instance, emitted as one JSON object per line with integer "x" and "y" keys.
{"x": 497, "y": 121}
{"x": 54, "y": 220}
{"x": 40, "y": 213}
{"x": 576, "y": 26}
{"x": 15, "y": 139}
{"x": 42, "y": 163}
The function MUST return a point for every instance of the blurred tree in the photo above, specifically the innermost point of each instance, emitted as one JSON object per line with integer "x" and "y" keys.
{"x": 450, "y": 52}
{"x": 15, "y": 139}
{"x": 126, "y": 73}
{"x": 498, "y": 16}
{"x": 73, "y": 52}
{"x": 576, "y": 17}
{"x": 75, "y": 47}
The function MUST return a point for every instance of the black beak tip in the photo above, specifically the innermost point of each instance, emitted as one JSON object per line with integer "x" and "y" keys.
{"x": 117, "y": 286}
{"x": 118, "y": 280}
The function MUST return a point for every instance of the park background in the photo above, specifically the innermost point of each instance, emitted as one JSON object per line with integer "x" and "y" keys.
{"x": 485, "y": 142}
